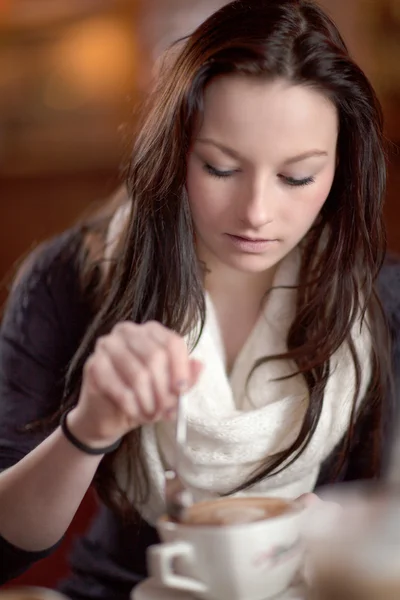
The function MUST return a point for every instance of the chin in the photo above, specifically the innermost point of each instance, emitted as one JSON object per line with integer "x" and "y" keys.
{"x": 252, "y": 264}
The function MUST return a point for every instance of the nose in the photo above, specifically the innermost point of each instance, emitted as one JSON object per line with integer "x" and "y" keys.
{"x": 256, "y": 207}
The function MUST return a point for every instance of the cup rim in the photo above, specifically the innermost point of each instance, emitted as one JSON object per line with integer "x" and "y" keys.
{"x": 298, "y": 507}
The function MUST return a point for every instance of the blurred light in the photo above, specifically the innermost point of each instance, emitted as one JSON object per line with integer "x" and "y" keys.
{"x": 37, "y": 13}
{"x": 95, "y": 60}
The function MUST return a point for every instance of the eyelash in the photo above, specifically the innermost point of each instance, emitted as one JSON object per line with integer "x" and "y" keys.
{"x": 219, "y": 174}
{"x": 290, "y": 181}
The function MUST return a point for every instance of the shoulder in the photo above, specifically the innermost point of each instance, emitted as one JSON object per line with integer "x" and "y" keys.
{"x": 388, "y": 287}
{"x": 43, "y": 323}
{"x": 46, "y": 260}
{"x": 46, "y": 298}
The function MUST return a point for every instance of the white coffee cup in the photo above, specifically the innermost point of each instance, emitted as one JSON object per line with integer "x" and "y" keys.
{"x": 248, "y": 561}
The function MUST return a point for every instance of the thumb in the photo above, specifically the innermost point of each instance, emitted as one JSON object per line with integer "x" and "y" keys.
{"x": 196, "y": 368}
{"x": 309, "y": 499}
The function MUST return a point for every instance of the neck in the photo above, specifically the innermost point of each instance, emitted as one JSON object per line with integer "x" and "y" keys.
{"x": 238, "y": 287}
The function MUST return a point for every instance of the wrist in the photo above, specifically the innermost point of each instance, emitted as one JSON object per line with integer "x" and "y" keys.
{"x": 76, "y": 430}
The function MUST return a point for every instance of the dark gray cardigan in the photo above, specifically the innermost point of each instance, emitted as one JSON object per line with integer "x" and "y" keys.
{"x": 43, "y": 324}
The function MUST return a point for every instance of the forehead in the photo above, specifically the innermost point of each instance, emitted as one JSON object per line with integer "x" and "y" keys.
{"x": 257, "y": 117}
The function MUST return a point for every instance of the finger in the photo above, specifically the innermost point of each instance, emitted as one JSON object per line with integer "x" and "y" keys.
{"x": 152, "y": 356}
{"x": 103, "y": 380}
{"x": 145, "y": 339}
{"x": 157, "y": 361}
{"x": 144, "y": 365}
{"x": 147, "y": 374}
{"x": 137, "y": 376}
{"x": 178, "y": 356}
{"x": 196, "y": 368}
{"x": 309, "y": 499}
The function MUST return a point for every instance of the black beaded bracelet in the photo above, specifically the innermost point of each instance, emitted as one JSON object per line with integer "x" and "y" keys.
{"x": 80, "y": 445}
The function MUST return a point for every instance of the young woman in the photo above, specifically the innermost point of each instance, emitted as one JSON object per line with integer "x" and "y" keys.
{"x": 242, "y": 271}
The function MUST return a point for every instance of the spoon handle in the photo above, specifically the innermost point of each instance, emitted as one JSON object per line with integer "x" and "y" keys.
{"x": 181, "y": 425}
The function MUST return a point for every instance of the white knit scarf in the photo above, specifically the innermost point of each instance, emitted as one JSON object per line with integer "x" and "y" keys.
{"x": 231, "y": 431}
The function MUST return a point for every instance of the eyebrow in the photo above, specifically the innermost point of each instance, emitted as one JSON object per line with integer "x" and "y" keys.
{"x": 305, "y": 155}
{"x": 236, "y": 155}
{"x": 221, "y": 147}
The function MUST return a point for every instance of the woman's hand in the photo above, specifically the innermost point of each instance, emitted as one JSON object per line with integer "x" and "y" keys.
{"x": 134, "y": 376}
{"x": 322, "y": 515}
{"x": 309, "y": 499}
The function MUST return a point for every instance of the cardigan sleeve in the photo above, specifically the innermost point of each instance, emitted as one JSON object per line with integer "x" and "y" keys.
{"x": 360, "y": 460}
{"x": 43, "y": 322}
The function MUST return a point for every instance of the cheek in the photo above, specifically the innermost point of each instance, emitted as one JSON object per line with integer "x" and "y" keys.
{"x": 199, "y": 201}
{"x": 324, "y": 186}
{"x": 195, "y": 192}
{"x": 206, "y": 213}
{"x": 318, "y": 197}
{"x": 301, "y": 212}
{"x": 208, "y": 199}
{"x": 315, "y": 195}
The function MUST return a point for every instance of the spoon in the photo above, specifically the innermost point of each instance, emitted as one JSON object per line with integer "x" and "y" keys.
{"x": 177, "y": 497}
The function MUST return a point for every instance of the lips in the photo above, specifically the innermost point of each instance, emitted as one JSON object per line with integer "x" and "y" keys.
{"x": 251, "y": 239}
{"x": 251, "y": 245}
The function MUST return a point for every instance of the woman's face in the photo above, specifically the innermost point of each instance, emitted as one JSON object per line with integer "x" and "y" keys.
{"x": 260, "y": 167}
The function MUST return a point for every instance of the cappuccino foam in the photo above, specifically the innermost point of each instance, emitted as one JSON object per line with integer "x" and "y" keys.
{"x": 235, "y": 511}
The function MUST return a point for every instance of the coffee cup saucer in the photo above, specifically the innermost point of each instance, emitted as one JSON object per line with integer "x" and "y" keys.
{"x": 150, "y": 589}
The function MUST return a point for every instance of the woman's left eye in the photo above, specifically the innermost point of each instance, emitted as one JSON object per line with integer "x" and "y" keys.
{"x": 292, "y": 182}
{"x": 217, "y": 173}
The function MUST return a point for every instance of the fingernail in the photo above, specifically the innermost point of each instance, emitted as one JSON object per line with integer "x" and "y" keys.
{"x": 182, "y": 386}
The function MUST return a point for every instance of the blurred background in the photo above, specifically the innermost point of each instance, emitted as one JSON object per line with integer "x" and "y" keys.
{"x": 71, "y": 73}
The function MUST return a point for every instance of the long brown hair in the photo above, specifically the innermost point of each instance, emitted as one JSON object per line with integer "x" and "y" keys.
{"x": 155, "y": 273}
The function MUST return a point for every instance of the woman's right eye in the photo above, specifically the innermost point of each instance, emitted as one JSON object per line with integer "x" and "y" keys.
{"x": 217, "y": 173}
